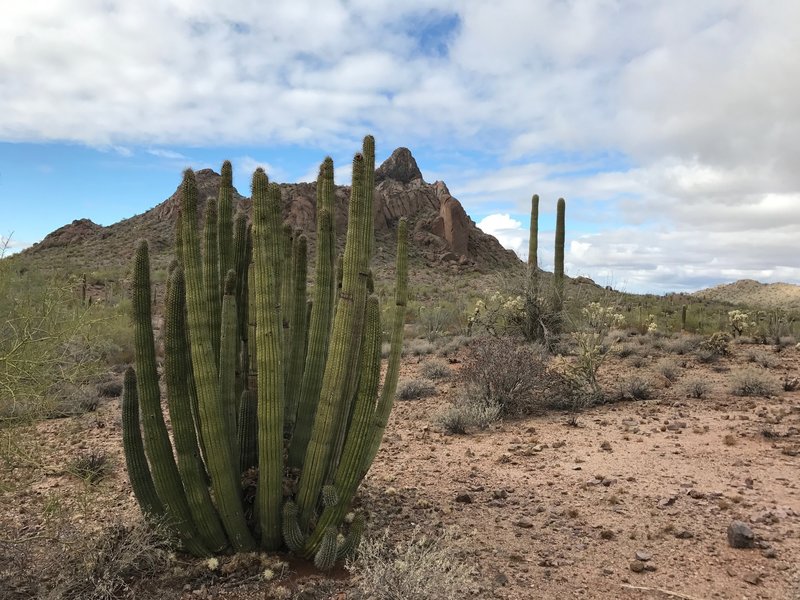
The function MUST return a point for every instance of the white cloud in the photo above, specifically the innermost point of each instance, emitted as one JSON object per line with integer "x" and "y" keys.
{"x": 509, "y": 232}
{"x": 697, "y": 100}
{"x": 168, "y": 154}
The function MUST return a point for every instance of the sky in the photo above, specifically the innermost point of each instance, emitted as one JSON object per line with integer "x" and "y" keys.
{"x": 672, "y": 129}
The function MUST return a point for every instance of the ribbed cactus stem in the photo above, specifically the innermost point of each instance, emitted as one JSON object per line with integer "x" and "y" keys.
{"x": 321, "y": 315}
{"x": 228, "y": 354}
{"x": 177, "y": 375}
{"x": 287, "y": 289}
{"x": 359, "y": 436}
{"x": 248, "y": 430}
{"x": 558, "y": 269}
{"x": 211, "y": 273}
{"x": 683, "y": 318}
{"x": 225, "y": 250}
{"x": 224, "y": 480}
{"x": 386, "y": 400}
{"x": 346, "y": 328}
{"x": 135, "y": 459}
{"x": 325, "y": 558}
{"x": 533, "y": 242}
{"x": 297, "y": 330}
{"x": 269, "y": 340}
{"x": 242, "y": 256}
{"x": 156, "y": 440}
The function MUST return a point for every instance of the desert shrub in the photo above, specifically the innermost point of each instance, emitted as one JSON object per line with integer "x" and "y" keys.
{"x": 697, "y": 388}
{"x": 739, "y": 322}
{"x": 753, "y": 382}
{"x": 435, "y": 369}
{"x": 680, "y": 345}
{"x": 90, "y": 466}
{"x": 421, "y": 568}
{"x": 669, "y": 369}
{"x": 626, "y": 350}
{"x": 411, "y": 389}
{"x": 49, "y": 341}
{"x": 452, "y": 346}
{"x": 434, "y": 321}
{"x": 515, "y": 376}
{"x": 121, "y": 562}
{"x": 637, "y": 362}
{"x": 762, "y": 359}
{"x": 417, "y": 347}
{"x": 459, "y": 418}
{"x": 634, "y": 388}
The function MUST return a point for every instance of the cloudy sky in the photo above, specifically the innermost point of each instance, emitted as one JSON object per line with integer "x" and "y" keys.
{"x": 671, "y": 128}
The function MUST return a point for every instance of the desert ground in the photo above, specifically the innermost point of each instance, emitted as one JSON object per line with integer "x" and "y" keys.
{"x": 628, "y": 499}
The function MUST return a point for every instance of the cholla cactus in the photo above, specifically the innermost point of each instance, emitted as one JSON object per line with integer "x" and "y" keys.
{"x": 739, "y": 322}
{"x": 601, "y": 318}
{"x": 651, "y": 324}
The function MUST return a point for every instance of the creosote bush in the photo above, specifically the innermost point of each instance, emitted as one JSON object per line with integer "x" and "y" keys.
{"x": 697, "y": 388}
{"x": 635, "y": 388}
{"x": 436, "y": 369}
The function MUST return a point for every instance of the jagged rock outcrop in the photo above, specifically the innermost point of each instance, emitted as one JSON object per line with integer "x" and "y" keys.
{"x": 442, "y": 230}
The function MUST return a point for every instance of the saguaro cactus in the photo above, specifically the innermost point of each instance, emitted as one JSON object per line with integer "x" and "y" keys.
{"x": 558, "y": 269}
{"x": 319, "y": 363}
{"x": 533, "y": 241}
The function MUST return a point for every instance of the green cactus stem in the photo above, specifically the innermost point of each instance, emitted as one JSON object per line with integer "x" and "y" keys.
{"x": 296, "y": 357}
{"x": 177, "y": 376}
{"x": 558, "y": 270}
{"x": 166, "y": 477}
{"x": 211, "y": 273}
{"x": 269, "y": 341}
{"x": 135, "y": 459}
{"x": 225, "y": 250}
{"x": 224, "y": 480}
{"x": 227, "y": 365}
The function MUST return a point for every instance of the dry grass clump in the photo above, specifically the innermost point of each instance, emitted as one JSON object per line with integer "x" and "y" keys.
{"x": 421, "y": 568}
{"x": 669, "y": 369}
{"x": 753, "y": 382}
{"x": 436, "y": 369}
{"x": 762, "y": 359}
{"x": 417, "y": 347}
{"x": 411, "y": 389}
{"x": 697, "y": 388}
{"x": 469, "y": 411}
{"x": 90, "y": 466}
{"x": 119, "y": 562}
{"x": 634, "y": 388}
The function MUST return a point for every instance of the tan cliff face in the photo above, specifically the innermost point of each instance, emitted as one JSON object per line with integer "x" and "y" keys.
{"x": 442, "y": 231}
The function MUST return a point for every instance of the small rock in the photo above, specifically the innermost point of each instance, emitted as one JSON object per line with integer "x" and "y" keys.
{"x": 740, "y": 535}
{"x": 637, "y": 566}
{"x": 524, "y": 523}
{"x": 464, "y": 497}
{"x": 684, "y": 534}
{"x": 501, "y": 579}
{"x": 606, "y": 446}
{"x": 649, "y": 567}
{"x": 696, "y": 494}
{"x": 752, "y": 578}
{"x": 769, "y": 553}
{"x": 643, "y": 555}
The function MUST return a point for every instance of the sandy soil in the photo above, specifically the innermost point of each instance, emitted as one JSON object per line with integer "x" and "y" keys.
{"x": 543, "y": 507}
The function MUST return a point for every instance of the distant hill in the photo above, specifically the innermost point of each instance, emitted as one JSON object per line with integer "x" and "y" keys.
{"x": 748, "y": 292}
{"x": 442, "y": 234}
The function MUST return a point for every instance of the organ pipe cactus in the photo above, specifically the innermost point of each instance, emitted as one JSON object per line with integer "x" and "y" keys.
{"x": 315, "y": 386}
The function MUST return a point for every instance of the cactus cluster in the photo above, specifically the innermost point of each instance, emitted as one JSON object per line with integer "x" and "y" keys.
{"x": 543, "y": 316}
{"x": 266, "y": 384}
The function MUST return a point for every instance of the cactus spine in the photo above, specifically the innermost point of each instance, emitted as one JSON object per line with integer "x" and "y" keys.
{"x": 324, "y": 367}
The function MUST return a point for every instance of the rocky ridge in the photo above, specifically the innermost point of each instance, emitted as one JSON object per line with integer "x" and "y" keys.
{"x": 442, "y": 231}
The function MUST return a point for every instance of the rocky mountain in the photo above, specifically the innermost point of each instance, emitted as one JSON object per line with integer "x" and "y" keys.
{"x": 443, "y": 233}
{"x": 748, "y": 292}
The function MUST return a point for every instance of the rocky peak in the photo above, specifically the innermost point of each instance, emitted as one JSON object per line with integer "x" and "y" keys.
{"x": 400, "y": 167}
{"x": 75, "y": 233}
